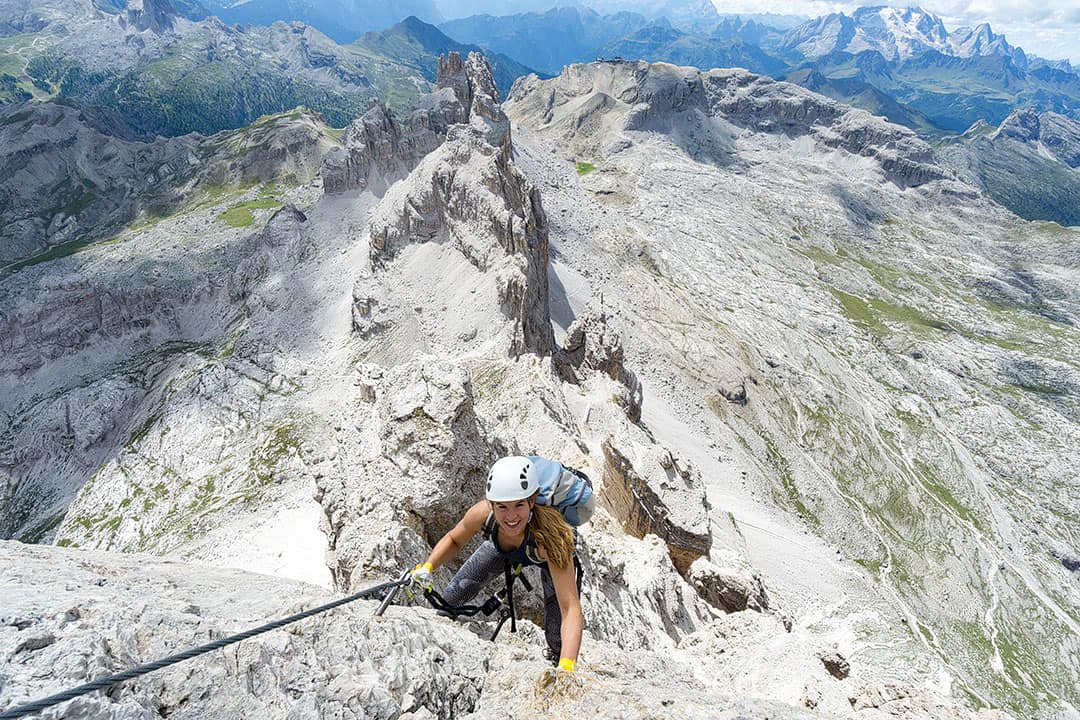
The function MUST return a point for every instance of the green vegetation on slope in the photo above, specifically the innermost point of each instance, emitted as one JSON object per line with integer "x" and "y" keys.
{"x": 183, "y": 92}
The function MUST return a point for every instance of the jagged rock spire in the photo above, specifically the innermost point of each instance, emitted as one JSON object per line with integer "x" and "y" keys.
{"x": 154, "y": 15}
{"x": 470, "y": 193}
{"x": 473, "y": 83}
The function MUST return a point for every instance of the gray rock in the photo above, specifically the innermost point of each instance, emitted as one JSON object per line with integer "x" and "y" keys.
{"x": 65, "y": 179}
{"x": 492, "y": 214}
{"x": 728, "y": 589}
{"x": 659, "y": 494}
{"x": 591, "y": 345}
{"x": 371, "y": 154}
{"x": 678, "y": 101}
{"x": 836, "y": 664}
{"x": 432, "y": 446}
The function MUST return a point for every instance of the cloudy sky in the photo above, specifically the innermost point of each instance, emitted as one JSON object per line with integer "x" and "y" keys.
{"x": 1048, "y": 28}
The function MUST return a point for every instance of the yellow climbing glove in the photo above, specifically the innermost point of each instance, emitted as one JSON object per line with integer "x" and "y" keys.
{"x": 567, "y": 664}
{"x": 421, "y": 575}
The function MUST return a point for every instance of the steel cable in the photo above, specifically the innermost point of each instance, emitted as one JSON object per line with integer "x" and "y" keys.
{"x": 110, "y": 680}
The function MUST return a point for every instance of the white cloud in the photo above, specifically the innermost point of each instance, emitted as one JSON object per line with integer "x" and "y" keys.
{"x": 1050, "y": 28}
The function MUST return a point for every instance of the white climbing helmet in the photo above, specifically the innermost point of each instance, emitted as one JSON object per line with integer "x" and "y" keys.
{"x": 512, "y": 478}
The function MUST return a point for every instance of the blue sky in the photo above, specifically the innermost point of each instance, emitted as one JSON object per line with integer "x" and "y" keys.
{"x": 1048, "y": 28}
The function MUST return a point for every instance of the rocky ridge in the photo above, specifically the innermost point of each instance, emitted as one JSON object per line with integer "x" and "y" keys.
{"x": 1030, "y": 163}
{"x": 375, "y": 145}
{"x": 378, "y": 346}
{"x": 468, "y": 192}
{"x": 98, "y": 180}
{"x": 834, "y": 356}
{"x": 703, "y": 110}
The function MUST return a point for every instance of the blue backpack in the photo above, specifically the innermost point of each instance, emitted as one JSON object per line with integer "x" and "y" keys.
{"x": 568, "y": 490}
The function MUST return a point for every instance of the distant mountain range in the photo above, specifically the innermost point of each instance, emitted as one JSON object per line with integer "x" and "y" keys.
{"x": 169, "y": 68}
{"x": 899, "y": 61}
{"x": 342, "y": 20}
{"x": 166, "y": 74}
{"x": 418, "y": 45}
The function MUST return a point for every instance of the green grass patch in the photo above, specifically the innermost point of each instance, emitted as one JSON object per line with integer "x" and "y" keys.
{"x": 142, "y": 431}
{"x": 21, "y": 116}
{"x": 12, "y": 65}
{"x": 283, "y": 442}
{"x": 928, "y": 478}
{"x": 76, "y": 196}
{"x": 791, "y": 496}
{"x": 584, "y": 168}
{"x": 876, "y": 314}
{"x": 872, "y": 565}
{"x": 242, "y": 214}
{"x": 54, "y": 253}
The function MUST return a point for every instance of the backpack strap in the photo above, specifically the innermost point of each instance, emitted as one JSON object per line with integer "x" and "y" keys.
{"x": 488, "y": 528}
{"x": 508, "y": 572}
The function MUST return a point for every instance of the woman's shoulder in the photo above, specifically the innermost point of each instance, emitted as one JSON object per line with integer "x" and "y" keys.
{"x": 477, "y": 514}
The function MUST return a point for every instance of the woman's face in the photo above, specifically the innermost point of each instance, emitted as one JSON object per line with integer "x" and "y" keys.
{"x": 512, "y": 516}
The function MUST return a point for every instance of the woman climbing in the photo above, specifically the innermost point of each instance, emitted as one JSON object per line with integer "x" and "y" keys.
{"x": 524, "y": 526}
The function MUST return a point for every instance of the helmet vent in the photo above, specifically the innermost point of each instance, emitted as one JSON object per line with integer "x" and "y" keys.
{"x": 524, "y": 484}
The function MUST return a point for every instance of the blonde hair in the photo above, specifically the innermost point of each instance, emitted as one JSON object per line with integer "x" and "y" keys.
{"x": 553, "y": 534}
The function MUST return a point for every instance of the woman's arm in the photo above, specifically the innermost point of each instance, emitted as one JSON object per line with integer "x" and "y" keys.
{"x": 452, "y": 542}
{"x": 573, "y": 622}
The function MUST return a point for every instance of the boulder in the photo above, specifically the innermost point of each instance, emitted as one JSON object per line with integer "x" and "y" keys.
{"x": 591, "y": 345}
{"x": 421, "y": 465}
{"x": 729, "y": 589}
{"x": 654, "y": 492}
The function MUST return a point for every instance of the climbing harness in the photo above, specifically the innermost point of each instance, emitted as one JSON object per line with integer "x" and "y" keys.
{"x": 385, "y": 591}
{"x": 502, "y": 599}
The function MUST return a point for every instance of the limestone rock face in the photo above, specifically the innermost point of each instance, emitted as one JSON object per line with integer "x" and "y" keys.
{"x": 425, "y": 467}
{"x": 98, "y": 180}
{"x": 279, "y": 243}
{"x": 370, "y": 146}
{"x": 1021, "y": 125}
{"x": 1029, "y": 164}
{"x": 426, "y": 125}
{"x": 377, "y": 150}
{"x": 658, "y": 494}
{"x": 635, "y": 596}
{"x": 84, "y": 614}
{"x": 469, "y": 196}
{"x": 727, "y": 589}
{"x": 1059, "y": 134}
{"x": 104, "y": 617}
{"x": 590, "y": 345}
{"x": 154, "y": 15}
{"x": 686, "y": 103}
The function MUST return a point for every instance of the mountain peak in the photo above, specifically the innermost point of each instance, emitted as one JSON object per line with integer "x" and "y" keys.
{"x": 154, "y": 15}
{"x": 897, "y": 33}
{"x": 1022, "y": 124}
